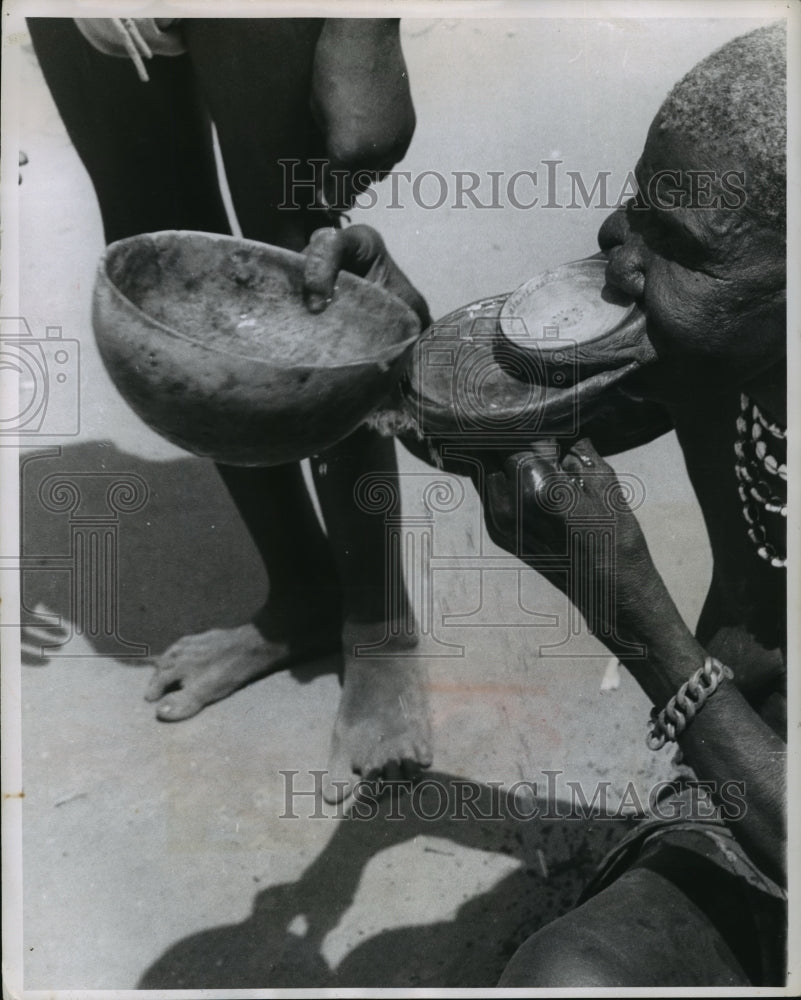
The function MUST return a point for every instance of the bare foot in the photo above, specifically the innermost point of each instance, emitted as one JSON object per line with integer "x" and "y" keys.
{"x": 382, "y": 728}
{"x": 200, "y": 669}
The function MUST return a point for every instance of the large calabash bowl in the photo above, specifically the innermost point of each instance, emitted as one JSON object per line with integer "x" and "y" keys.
{"x": 208, "y": 339}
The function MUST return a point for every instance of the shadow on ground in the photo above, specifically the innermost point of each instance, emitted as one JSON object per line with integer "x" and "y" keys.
{"x": 158, "y": 529}
{"x": 172, "y": 530}
{"x": 281, "y": 943}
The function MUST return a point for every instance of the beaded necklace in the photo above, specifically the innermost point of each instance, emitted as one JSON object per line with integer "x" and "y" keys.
{"x": 762, "y": 478}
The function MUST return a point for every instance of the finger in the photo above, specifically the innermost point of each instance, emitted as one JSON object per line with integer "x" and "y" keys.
{"x": 502, "y": 511}
{"x": 330, "y": 250}
{"x": 583, "y": 457}
{"x": 587, "y": 454}
{"x": 544, "y": 447}
{"x": 540, "y": 459}
{"x": 540, "y": 449}
{"x": 540, "y": 479}
{"x": 363, "y": 246}
{"x": 498, "y": 493}
{"x": 324, "y": 256}
{"x": 161, "y": 680}
{"x": 141, "y": 44}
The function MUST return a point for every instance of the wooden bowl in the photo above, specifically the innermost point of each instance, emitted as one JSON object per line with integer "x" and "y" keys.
{"x": 208, "y": 339}
{"x": 573, "y": 323}
{"x": 469, "y": 395}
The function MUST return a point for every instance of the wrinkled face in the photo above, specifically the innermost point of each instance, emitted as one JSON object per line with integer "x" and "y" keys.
{"x": 708, "y": 274}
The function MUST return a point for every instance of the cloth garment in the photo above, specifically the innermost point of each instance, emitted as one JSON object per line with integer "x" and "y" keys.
{"x": 704, "y": 859}
{"x": 162, "y": 35}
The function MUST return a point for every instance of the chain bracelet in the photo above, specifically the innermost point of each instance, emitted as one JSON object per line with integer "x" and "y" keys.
{"x": 669, "y": 723}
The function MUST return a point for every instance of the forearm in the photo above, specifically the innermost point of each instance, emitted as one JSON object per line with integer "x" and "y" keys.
{"x": 727, "y": 741}
{"x": 616, "y": 586}
{"x": 360, "y": 92}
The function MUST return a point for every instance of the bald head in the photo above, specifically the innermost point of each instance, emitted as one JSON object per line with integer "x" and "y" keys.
{"x": 734, "y": 101}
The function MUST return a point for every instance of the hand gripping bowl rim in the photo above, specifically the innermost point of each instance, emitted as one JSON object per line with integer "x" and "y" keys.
{"x": 291, "y": 257}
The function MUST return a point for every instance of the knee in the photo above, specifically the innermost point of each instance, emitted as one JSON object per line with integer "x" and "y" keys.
{"x": 555, "y": 958}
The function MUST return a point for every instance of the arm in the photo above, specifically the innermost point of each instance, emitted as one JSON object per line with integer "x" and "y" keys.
{"x": 727, "y": 740}
{"x": 361, "y": 100}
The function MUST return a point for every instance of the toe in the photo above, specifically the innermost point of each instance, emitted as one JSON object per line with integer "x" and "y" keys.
{"x": 159, "y": 683}
{"x": 423, "y": 754}
{"x": 188, "y": 643}
{"x": 411, "y": 767}
{"x": 391, "y": 771}
{"x": 178, "y": 706}
{"x": 178, "y": 649}
{"x": 338, "y": 789}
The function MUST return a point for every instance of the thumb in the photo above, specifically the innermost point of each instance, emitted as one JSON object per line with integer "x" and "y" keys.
{"x": 324, "y": 256}
{"x": 330, "y": 250}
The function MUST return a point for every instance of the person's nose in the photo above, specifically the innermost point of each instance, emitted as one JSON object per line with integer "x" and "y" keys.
{"x": 627, "y": 254}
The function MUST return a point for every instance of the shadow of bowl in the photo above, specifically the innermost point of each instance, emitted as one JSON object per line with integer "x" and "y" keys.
{"x": 208, "y": 339}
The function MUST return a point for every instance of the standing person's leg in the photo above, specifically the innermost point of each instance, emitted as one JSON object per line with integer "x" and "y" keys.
{"x": 255, "y": 76}
{"x": 147, "y": 147}
{"x": 148, "y": 150}
{"x": 382, "y": 726}
{"x": 243, "y": 68}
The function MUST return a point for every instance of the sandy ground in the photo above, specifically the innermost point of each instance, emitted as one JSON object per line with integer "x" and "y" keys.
{"x": 162, "y": 855}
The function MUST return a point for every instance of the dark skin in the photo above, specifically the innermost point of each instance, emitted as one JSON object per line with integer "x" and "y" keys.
{"x": 360, "y": 101}
{"x": 711, "y": 283}
{"x": 712, "y": 286}
{"x": 300, "y": 89}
